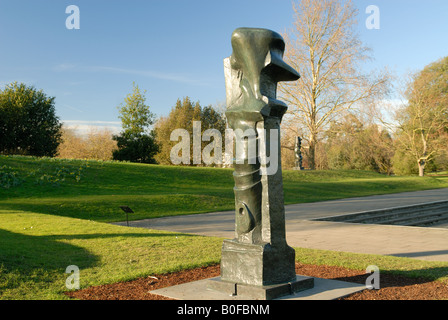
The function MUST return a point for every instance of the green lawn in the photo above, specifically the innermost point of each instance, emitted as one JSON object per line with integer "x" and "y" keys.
{"x": 94, "y": 190}
{"x": 36, "y": 249}
{"x": 442, "y": 175}
{"x": 53, "y": 214}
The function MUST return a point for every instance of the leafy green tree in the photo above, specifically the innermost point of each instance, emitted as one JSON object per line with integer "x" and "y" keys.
{"x": 136, "y": 143}
{"x": 28, "y": 121}
{"x": 135, "y": 114}
{"x": 141, "y": 149}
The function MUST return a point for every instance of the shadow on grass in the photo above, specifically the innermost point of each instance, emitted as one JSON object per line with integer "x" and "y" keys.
{"x": 106, "y": 208}
{"x": 37, "y": 259}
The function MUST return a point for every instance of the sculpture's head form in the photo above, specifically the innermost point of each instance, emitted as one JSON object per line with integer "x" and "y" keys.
{"x": 253, "y": 71}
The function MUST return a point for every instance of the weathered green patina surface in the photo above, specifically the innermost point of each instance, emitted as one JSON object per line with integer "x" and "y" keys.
{"x": 259, "y": 254}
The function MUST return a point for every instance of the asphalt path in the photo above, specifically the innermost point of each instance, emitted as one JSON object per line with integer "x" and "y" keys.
{"x": 414, "y": 242}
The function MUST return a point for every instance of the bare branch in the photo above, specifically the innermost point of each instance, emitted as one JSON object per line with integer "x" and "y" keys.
{"x": 323, "y": 47}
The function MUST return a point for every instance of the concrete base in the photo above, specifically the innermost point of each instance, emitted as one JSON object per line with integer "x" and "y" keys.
{"x": 261, "y": 292}
{"x": 257, "y": 264}
{"x": 323, "y": 290}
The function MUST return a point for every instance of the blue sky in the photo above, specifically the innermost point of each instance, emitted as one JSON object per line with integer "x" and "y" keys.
{"x": 175, "y": 48}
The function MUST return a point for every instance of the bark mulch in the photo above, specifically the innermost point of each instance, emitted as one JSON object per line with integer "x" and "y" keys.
{"x": 392, "y": 287}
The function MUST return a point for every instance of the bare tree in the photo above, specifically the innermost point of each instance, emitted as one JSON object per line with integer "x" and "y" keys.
{"x": 72, "y": 145}
{"x": 97, "y": 144}
{"x": 324, "y": 47}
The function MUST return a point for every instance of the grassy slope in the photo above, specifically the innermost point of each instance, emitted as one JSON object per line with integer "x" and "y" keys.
{"x": 46, "y": 224}
{"x": 155, "y": 191}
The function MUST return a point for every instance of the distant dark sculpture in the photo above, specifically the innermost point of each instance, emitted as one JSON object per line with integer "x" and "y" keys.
{"x": 298, "y": 155}
{"x": 259, "y": 256}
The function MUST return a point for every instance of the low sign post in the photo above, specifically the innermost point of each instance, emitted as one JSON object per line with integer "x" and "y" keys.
{"x": 127, "y": 210}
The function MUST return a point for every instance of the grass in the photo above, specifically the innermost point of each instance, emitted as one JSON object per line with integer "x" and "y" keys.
{"x": 53, "y": 214}
{"x": 94, "y": 190}
{"x": 412, "y": 268}
{"x": 36, "y": 249}
{"x": 442, "y": 175}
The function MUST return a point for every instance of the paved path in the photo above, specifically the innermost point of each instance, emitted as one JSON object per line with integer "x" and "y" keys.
{"x": 413, "y": 242}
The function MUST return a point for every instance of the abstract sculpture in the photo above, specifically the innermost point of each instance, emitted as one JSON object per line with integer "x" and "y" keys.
{"x": 258, "y": 262}
{"x": 298, "y": 154}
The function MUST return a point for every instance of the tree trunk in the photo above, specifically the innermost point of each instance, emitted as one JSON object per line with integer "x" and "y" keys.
{"x": 312, "y": 152}
{"x": 422, "y": 161}
{"x": 421, "y": 168}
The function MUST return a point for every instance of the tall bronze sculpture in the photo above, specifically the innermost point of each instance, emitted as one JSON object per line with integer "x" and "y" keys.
{"x": 298, "y": 154}
{"x": 258, "y": 262}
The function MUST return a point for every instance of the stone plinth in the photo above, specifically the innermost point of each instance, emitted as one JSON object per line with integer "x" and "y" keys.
{"x": 266, "y": 292}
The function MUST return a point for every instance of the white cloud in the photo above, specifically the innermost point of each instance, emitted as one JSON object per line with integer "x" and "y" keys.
{"x": 150, "y": 74}
{"x": 144, "y": 73}
{"x": 64, "y": 67}
{"x": 92, "y": 122}
{"x": 82, "y": 127}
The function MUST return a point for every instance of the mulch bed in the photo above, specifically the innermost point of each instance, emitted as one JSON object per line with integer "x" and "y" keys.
{"x": 392, "y": 287}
